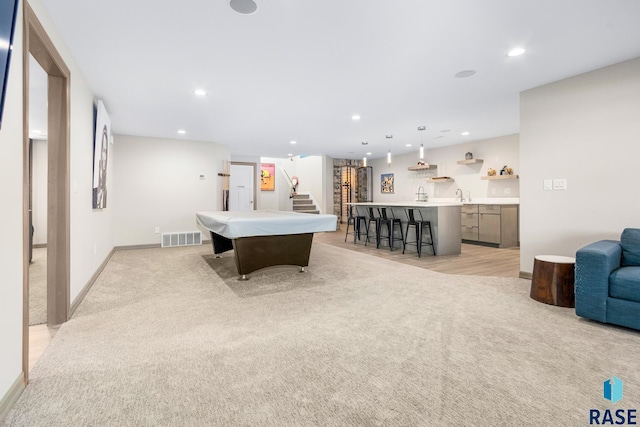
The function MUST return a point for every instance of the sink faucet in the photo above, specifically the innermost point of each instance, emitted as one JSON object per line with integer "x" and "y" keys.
{"x": 422, "y": 196}
{"x": 461, "y": 197}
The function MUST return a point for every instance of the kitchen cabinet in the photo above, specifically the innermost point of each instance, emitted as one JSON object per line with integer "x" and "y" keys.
{"x": 469, "y": 222}
{"x": 494, "y": 225}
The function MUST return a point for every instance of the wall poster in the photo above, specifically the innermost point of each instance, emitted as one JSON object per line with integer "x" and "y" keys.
{"x": 386, "y": 183}
{"x": 100, "y": 157}
{"x": 267, "y": 176}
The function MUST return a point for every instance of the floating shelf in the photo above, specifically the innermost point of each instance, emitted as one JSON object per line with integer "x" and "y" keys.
{"x": 421, "y": 167}
{"x": 470, "y": 161}
{"x": 499, "y": 177}
{"x": 444, "y": 179}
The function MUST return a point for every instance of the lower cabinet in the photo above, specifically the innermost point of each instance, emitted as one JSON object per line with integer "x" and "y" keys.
{"x": 492, "y": 224}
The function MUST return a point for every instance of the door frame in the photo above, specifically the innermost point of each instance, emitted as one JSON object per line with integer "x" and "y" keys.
{"x": 255, "y": 183}
{"x": 39, "y": 45}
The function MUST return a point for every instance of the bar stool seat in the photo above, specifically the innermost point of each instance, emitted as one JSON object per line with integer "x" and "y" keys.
{"x": 387, "y": 218}
{"x": 420, "y": 224}
{"x": 357, "y": 221}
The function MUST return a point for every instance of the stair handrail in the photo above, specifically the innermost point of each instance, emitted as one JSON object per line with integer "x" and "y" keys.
{"x": 292, "y": 188}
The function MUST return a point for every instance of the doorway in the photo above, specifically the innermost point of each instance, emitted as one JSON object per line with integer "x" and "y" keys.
{"x": 38, "y": 159}
{"x": 40, "y": 46}
{"x": 242, "y": 186}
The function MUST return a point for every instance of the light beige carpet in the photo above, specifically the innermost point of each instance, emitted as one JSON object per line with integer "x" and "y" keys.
{"x": 170, "y": 337}
{"x": 38, "y": 287}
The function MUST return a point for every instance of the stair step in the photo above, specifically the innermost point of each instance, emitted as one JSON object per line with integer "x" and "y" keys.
{"x": 302, "y": 201}
{"x": 300, "y": 196}
{"x": 308, "y": 212}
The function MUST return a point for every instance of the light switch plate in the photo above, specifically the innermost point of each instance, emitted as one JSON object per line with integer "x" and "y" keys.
{"x": 559, "y": 184}
{"x": 547, "y": 185}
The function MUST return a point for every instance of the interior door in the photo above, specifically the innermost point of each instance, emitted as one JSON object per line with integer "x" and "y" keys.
{"x": 241, "y": 187}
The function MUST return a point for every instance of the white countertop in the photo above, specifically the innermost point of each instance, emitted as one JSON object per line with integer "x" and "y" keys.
{"x": 410, "y": 204}
{"x": 482, "y": 200}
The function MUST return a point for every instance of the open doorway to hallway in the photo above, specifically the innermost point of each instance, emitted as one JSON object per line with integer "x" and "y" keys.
{"x": 56, "y": 234}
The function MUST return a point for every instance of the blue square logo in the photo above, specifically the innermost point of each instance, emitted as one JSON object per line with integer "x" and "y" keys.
{"x": 613, "y": 389}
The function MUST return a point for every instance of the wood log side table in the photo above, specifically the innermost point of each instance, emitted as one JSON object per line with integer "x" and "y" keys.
{"x": 553, "y": 280}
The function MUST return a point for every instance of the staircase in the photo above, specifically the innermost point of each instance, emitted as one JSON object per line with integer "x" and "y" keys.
{"x": 303, "y": 204}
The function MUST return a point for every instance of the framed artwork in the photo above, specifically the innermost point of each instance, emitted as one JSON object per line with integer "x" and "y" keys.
{"x": 267, "y": 176}
{"x": 100, "y": 157}
{"x": 386, "y": 183}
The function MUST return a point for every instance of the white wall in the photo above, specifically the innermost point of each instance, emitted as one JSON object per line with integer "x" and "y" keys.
{"x": 313, "y": 179}
{"x": 585, "y": 129}
{"x": 157, "y": 184}
{"x": 11, "y": 245}
{"x": 39, "y": 191}
{"x": 496, "y": 153}
{"x": 91, "y": 230}
{"x": 279, "y": 199}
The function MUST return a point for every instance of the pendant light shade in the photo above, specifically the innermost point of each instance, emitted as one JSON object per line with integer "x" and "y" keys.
{"x": 389, "y": 157}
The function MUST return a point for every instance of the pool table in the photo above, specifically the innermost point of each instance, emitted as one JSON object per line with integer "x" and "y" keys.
{"x": 264, "y": 238}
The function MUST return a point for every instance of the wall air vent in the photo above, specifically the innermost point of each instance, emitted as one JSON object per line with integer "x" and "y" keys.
{"x": 185, "y": 238}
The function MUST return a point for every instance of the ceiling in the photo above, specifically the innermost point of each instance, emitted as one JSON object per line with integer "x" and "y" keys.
{"x": 299, "y": 70}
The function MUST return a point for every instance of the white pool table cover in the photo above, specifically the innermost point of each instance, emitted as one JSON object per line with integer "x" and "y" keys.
{"x": 233, "y": 225}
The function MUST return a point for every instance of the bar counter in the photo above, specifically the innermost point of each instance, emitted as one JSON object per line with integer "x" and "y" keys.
{"x": 444, "y": 217}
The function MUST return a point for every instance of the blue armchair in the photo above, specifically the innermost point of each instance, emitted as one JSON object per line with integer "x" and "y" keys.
{"x": 608, "y": 280}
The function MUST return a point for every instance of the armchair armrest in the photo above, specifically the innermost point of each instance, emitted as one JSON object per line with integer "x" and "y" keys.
{"x": 594, "y": 264}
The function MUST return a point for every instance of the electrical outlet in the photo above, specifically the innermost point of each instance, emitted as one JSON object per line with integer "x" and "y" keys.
{"x": 156, "y": 230}
{"x": 507, "y": 190}
{"x": 547, "y": 185}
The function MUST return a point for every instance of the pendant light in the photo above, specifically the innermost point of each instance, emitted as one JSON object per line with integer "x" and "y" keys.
{"x": 389, "y": 157}
{"x": 364, "y": 161}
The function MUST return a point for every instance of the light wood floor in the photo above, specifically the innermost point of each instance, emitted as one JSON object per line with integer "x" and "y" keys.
{"x": 39, "y": 338}
{"x": 474, "y": 259}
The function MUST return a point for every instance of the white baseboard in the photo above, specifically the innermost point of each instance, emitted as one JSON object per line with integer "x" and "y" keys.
{"x": 11, "y": 397}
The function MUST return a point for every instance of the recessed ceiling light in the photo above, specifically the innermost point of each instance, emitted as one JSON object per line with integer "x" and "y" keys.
{"x": 369, "y": 153}
{"x": 182, "y": 131}
{"x": 464, "y": 133}
{"x": 355, "y": 117}
{"x": 516, "y": 52}
{"x": 407, "y": 145}
{"x": 438, "y": 137}
{"x": 245, "y": 7}
{"x": 290, "y": 154}
{"x": 446, "y": 130}
{"x": 422, "y": 127}
{"x": 388, "y": 136}
{"x": 199, "y": 92}
{"x": 465, "y": 73}
{"x": 292, "y": 142}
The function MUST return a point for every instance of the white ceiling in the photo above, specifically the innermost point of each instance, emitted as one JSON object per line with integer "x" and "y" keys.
{"x": 299, "y": 69}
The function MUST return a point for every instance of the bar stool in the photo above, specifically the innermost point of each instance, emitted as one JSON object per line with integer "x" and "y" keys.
{"x": 420, "y": 225}
{"x": 356, "y": 220}
{"x": 372, "y": 218}
{"x": 390, "y": 221}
